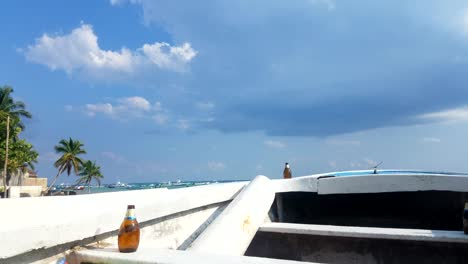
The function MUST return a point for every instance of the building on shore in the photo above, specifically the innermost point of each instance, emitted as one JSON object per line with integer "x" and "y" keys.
{"x": 25, "y": 184}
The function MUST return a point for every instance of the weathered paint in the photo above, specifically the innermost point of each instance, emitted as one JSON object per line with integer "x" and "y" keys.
{"x": 43, "y": 222}
{"x": 299, "y": 184}
{"x": 234, "y": 229}
{"x": 392, "y": 183}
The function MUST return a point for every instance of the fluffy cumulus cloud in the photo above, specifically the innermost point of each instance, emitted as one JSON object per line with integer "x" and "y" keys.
{"x": 315, "y": 67}
{"x": 79, "y": 51}
{"x": 139, "y": 108}
{"x": 124, "y": 108}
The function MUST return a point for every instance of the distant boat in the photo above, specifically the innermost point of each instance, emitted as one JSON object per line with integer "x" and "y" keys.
{"x": 117, "y": 185}
{"x": 178, "y": 183}
{"x": 80, "y": 187}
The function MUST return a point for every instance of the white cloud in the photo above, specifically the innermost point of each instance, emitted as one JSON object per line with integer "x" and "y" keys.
{"x": 431, "y": 139}
{"x": 451, "y": 115}
{"x": 167, "y": 57}
{"x": 80, "y": 51}
{"x": 68, "y": 108}
{"x": 216, "y": 165}
{"x": 126, "y": 107}
{"x": 274, "y": 144}
{"x": 332, "y": 164}
{"x": 136, "y": 102}
{"x": 237, "y": 75}
{"x": 93, "y": 109}
{"x": 134, "y": 107}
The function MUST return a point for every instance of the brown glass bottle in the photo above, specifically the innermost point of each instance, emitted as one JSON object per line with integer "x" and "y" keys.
{"x": 129, "y": 232}
{"x": 287, "y": 172}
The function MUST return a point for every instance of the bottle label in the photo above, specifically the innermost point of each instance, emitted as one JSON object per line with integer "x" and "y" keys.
{"x": 130, "y": 214}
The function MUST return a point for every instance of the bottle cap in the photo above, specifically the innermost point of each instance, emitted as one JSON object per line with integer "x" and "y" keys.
{"x": 131, "y": 206}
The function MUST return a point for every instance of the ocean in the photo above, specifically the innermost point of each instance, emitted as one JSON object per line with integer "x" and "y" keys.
{"x": 119, "y": 187}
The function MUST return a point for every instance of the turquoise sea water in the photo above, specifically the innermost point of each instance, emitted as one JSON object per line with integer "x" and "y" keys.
{"x": 133, "y": 186}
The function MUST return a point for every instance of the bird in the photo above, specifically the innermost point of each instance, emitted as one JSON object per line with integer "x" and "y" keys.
{"x": 287, "y": 172}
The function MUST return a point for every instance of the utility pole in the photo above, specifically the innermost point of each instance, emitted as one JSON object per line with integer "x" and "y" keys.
{"x": 5, "y": 194}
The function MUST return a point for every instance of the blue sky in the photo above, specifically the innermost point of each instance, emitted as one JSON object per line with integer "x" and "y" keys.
{"x": 216, "y": 90}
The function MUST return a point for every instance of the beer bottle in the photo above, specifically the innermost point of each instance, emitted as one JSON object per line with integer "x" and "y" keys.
{"x": 287, "y": 172}
{"x": 129, "y": 232}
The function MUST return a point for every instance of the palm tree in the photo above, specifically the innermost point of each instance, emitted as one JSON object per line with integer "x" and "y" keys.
{"x": 88, "y": 172}
{"x": 14, "y": 109}
{"x": 9, "y": 108}
{"x": 70, "y": 150}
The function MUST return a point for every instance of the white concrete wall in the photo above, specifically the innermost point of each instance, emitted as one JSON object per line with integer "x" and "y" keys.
{"x": 35, "y": 223}
{"x": 31, "y": 191}
{"x": 392, "y": 183}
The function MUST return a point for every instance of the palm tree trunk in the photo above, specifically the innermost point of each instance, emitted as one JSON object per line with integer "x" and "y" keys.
{"x": 5, "y": 194}
{"x": 53, "y": 182}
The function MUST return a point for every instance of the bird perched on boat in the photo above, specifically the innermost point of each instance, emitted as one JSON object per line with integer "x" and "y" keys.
{"x": 287, "y": 172}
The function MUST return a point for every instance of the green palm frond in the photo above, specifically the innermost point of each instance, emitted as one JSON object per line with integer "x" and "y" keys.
{"x": 15, "y": 109}
{"x": 89, "y": 171}
{"x": 70, "y": 159}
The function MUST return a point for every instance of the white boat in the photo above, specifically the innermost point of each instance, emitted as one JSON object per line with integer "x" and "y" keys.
{"x": 390, "y": 216}
{"x": 118, "y": 184}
